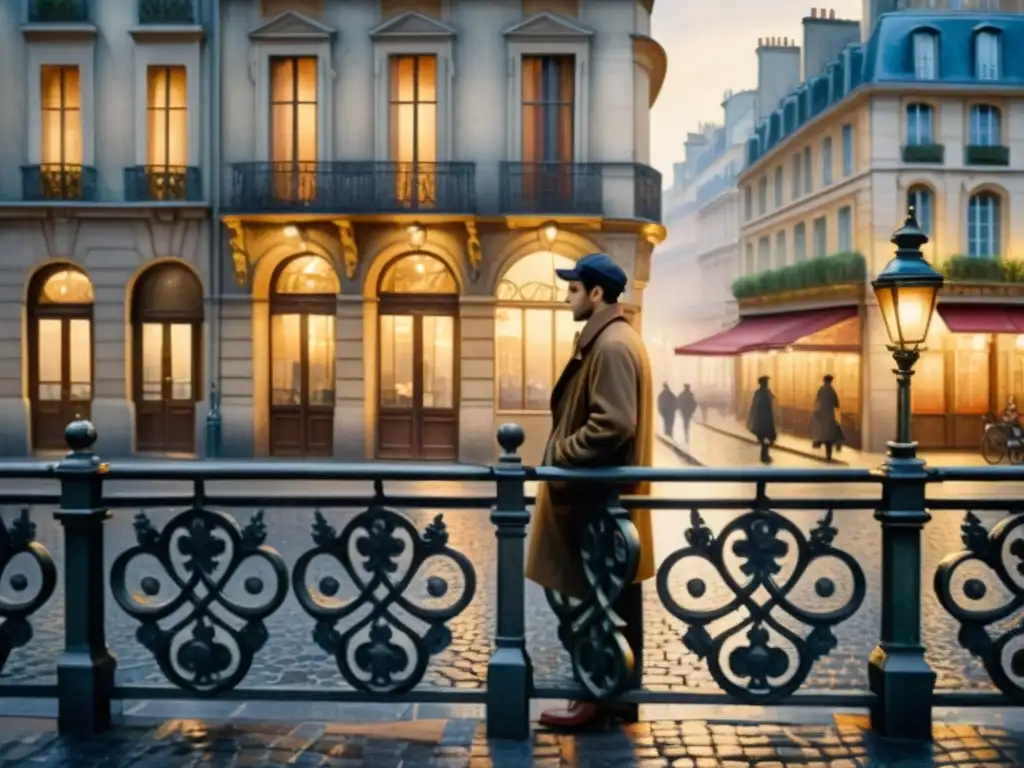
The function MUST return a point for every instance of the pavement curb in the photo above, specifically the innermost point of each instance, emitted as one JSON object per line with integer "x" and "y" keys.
{"x": 681, "y": 452}
{"x": 776, "y": 447}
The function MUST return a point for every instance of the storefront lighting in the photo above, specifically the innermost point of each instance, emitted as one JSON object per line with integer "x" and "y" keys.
{"x": 417, "y": 235}
{"x": 549, "y": 232}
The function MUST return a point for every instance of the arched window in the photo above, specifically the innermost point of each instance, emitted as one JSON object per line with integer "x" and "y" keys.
{"x": 534, "y": 332}
{"x": 167, "y": 321}
{"x": 987, "y": 55}
{"x": 60, "y": 305}
{"x": 983, "y": 225}
{"x": 920, "y": 198}
{"x": 926, "y": 55}
{"x": 986, "y": 126}
{"x": 418, "y": 353}
{"x": 920, "y": 125}
{"x": 303, "y": 306}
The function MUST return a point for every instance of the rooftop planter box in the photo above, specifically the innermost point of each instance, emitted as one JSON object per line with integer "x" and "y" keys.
{"x": 975, "y": 155}
{"x": 810, "y": 278}
{"x": 983, "y": 276}
{"x": 924, "y": 153}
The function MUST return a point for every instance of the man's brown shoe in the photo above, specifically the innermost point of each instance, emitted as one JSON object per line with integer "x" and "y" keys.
{"x": 578, "y": 714}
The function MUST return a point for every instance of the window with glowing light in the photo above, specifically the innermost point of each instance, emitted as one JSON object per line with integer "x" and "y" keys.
{"x": 534, "y": 332}
{"x": 61, "y": 140}
{"x": 928, "y": 393}
{"x": 167, "y": 116}
{"x": 293, "y": 126}
{"x": 413, "y": 128}
{"x": 418, "y": 273}
{"x": 971, "y": 373}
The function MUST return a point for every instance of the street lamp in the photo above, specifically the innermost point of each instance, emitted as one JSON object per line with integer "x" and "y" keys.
{"x": 906, "y": 291}
{"x": 417, "y": 235}
{"x": 550, "y": 231}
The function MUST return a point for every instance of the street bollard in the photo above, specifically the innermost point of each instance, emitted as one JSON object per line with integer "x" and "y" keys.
{"x": 213, "y": 424}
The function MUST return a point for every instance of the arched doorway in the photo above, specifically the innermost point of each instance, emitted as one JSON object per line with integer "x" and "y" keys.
{"x": 60, "y": 302}
{"x": 303, "y": 306}
{"x": 167, "y": 322}
{"x": 418, "y": 416}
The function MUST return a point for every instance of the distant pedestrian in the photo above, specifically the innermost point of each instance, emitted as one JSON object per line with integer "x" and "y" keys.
{"x": 761, "y": 419}
{"x": 825, "y": 428}
{"x": 687, "y": 407}
{"x": 667, "y": 409}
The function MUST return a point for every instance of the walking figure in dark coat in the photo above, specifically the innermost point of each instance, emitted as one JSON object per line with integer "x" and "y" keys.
{"x": 667, "y": 408}
{"x": 825, "y": 428}
{"x": 761, "y": 419}
{"x": 687, "y": 407}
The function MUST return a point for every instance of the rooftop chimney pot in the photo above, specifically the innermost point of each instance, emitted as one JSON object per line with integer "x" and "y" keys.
{"x": 814, "y": 13}
{"x": 832, "y": 13}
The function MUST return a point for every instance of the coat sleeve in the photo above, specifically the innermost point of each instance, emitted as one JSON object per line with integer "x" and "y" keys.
{"x": 612, "y": 418}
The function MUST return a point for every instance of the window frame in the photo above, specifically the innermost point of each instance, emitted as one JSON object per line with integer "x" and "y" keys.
{"x": 919, "y": 109}
{"x": 826, "y": 161}
{"x": 796, "y": 184}
{"x": 800, "y": 242}
{"x": 824, "y": 238}
{"x": 808, "y": 170}
{"x": 170, "y": 54}
{"x": 988, "y": 71}
{"x": 993, "y": 124}
{"x": 848, "y": 150}
{"x": 778, "y": 186}
{"x": 71, "y": 54}
{"x": 844, "y": 212}
{"x": 915, "y": 194}
{"x": 994, "y": 222}
{"x": 920, "y": 62}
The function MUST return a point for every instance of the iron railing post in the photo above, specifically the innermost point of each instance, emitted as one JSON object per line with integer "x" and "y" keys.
{"x": 85, "y": 670}
{"x": 509, "y": 672}
{"x": 898, "y": 673}
{"x": 213, "y": 424}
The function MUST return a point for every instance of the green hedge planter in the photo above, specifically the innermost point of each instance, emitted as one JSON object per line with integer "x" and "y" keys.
{"x": 837, "y": 269}
{"x": 982, "y": 269}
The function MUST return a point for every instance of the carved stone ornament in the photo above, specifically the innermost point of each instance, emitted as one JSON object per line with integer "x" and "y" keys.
{"x": 473, "y": 249}
{"x": 349, "y": 249}
{"x": 239, "y": 257}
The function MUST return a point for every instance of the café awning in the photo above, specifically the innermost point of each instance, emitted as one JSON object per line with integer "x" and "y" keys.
{"x": 765, "y": 332}
{"x": 982, "y": 318}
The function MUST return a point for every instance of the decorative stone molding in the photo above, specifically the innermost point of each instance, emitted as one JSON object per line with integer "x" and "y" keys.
{"x": 473, "y": 250}
{"x": 805, "y": 298}
{"x": 349, "y": 249}
{"x": 983, "y": 291}
{"x": 239, "y": 255}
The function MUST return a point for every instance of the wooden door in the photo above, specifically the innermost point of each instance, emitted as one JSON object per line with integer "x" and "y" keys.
{"x": 418, "y": 375}
{"x": 302, "y": 385}
{"x": 62, "y": 378}
{"x": 165, "y": 387}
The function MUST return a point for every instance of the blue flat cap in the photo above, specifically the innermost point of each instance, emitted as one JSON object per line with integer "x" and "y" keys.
{"x": 599, "y": 268}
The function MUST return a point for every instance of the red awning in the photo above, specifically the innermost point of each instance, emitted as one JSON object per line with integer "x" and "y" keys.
{"x": 982, "y": 318}
{"x": 763, "y": 332}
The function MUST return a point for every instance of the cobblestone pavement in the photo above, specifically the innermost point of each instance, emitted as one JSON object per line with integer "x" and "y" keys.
{"x": 462, "y": 743}
{"x": 291, "y": 658}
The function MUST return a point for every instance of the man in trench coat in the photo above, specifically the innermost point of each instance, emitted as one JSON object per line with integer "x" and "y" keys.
{"x": 602, "y": 416}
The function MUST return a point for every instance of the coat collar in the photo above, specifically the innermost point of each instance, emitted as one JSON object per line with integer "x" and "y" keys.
{"x": 597, "y": 323}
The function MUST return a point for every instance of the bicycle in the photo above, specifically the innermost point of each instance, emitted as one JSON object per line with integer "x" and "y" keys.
{"x": 1001, "y": 439}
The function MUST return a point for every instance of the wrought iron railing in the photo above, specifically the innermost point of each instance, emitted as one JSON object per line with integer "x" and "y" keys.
{"x": 58, "y": 181}
{"x": 162, "y": 183}
{"x": 353, "y": 187}
{"x": 646, "y": 193}
{"x": 166, "y": 12}
{"x": 551, "y": 189}
{"x": 58, "y": 11}
{"x": 775, "y": 597}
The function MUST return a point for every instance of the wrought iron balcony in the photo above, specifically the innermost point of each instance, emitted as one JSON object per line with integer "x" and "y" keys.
{"x": 352, "y": 187}
{"x": 166, "y": 12}
{"x": 551, "y": 188}
{"x": 56, "y": 181}
{"x": 646, "y": 193}
{"x": 162, "y": 183}
{"x": 58, "y": 11}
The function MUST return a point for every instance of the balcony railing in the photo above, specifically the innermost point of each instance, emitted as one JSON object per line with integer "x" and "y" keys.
{"x": 353, "y": 187}
{"x": 162, "y": 183}
{"x": 975, "y": 154}
{"x": 552, "y": 189}
{"x": 770, "y": 603}
{"x": 647, "y": 193}
{"x": 58, "y": 11}
{"x": 54, "y": 181}
{"x": 924, "y": 153}
{"x": 166, "y": 12}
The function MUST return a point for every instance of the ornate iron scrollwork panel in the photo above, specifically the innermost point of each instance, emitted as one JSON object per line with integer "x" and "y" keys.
{"x": 590, "y": 629}
{"x": 387, "y": 643}
{"x": 214, "y": 656}
{"x": 16, "y": 539}
{"x": 758, "y": 541}
{"x": 1001, "y": 552}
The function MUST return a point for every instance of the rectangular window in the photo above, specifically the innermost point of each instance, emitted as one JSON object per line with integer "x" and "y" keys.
{"x": 799, "y": 242}
{"x": 847, "y": 150}
{"x": 167, "y": 128}
{"x": 548, "y": 104}
{"x": 762, "y": 195}
{"x": 412, "y": 123}
{"x": 778, "y": 187}
{"x": 748, "y": 204}
{"x": 797, "y": 175}
{"x": 748, "y": 260}
{"x": 986, "y": 56}
{"x": 985, "y": 128}
{"x": 826, "y": 161}
{"x": 532, "y": 346}
{"x": 926, "y": 55}
{"x": 820, "y": 237}
{"x": 845, "y": 225}
{"x": 780, "y": 249}
{"x": 764, "y": 254}
{"x": 61, "y": 94}
{"x": 920, "y": 125}
{"x": 293, "y": 126}
{"x": 808, "y": 171}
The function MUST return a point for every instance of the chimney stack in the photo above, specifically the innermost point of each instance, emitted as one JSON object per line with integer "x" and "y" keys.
{"x": 814, "y": 13}
{"x": 778, "y": 73}
{"x": 825, "y": 37}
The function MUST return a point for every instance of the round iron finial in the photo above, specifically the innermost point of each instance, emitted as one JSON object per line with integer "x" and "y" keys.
{"x": 909, "y": 237}
{"x": 80, "y": 435}
{"x": 510, "y": 437}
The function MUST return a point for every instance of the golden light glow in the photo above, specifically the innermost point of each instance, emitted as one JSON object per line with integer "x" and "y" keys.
{"x": 907, "y": 313}
{"x": 68, "y": 286}
{"x": 167, "y": 112}
{"x": 290, "y": 231}
{"x": 550, "y": 232}
{"x": 62, "y": 116}
{"x": 417, "y": 235}
{"x": 308, "y": 274}
{"x": 1020, "y": 341}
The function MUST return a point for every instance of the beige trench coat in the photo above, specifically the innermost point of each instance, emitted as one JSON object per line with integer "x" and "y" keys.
{"x": 601, "y": 410}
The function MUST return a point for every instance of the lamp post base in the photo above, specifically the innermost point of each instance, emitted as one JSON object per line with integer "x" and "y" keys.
{"x": 903, "y": 685}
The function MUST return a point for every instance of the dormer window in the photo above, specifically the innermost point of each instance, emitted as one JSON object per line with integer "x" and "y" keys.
{"x": 926, "y": 55}
{"x": 986, "y": 55}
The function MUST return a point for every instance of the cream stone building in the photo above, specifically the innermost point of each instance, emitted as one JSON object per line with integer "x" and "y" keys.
{"x": 832, "y": 172}
{"x": 345, "y": 216}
